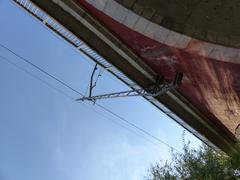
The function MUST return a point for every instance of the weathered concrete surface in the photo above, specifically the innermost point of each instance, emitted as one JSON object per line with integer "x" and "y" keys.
{"x": 217, "y": 21}
{"x": 209, "y": 84}
{"x": 211, "y": 80}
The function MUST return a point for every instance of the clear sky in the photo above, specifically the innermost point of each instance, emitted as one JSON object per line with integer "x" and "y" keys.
{"x": 46, "y": 136}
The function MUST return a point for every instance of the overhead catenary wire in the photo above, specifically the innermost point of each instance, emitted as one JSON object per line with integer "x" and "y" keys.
{"x": 36, "y": 77}
{"x": 72, "y": 98}
{"x": 81, "y": 94}
{"x": 40, "y": 69}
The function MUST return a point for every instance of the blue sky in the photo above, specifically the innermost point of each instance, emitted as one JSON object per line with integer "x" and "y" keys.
{"x": 45, "y": 135}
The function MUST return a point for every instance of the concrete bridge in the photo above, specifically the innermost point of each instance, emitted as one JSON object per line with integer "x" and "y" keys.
{"x": 148, "y": 39}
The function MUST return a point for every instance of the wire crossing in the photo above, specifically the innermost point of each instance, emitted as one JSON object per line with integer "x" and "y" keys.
{"x": 72, "y": 98}
{"x": 79, "y": 93}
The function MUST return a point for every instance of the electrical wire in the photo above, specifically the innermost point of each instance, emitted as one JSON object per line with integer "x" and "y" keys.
{"x": 72, "y": 98}
{"x": 36, "y": 77}
{"x": 40, "y": 69}
{"x": 97, "y": 104}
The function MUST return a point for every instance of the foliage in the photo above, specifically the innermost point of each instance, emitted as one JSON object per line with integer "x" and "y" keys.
{"x": 203, "y": 163}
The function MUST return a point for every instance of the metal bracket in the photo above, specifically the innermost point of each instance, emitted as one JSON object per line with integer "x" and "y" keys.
{"x": 91, "y": 85}
{"x": 156, "y": 90}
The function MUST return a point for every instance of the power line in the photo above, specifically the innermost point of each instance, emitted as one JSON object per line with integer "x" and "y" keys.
{"x": 78, "y": 92}
{"x": 72, "y": 98}
{"x": 36, "y": 77}
{"x": 135, "y": 126}
{"x": 40, "y": 69}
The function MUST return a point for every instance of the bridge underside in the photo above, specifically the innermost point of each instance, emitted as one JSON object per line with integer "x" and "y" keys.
{"x": 137, "y": 42}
